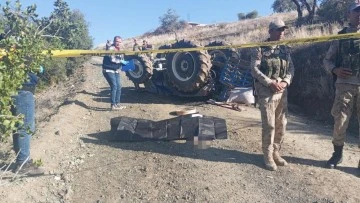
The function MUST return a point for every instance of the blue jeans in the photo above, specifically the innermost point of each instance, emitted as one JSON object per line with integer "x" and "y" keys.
{"x": 25, "y": 105}
{"x": 115, "y": 86}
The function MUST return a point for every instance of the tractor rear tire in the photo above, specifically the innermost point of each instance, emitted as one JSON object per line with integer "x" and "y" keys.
{"x": 188, "y": 71}
{"x": 219, "y": 57}
{"x": 162, "y": 55}
{"x": 143, "y": 69}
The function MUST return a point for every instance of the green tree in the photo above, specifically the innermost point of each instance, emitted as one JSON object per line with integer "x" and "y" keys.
{"x": 280, "y": 6}
{"x": 310, "y": 5}
{"x": 80, "y": 36}
{"x": 22, "y": 52}
{"x": 71, "y": 31}
{"x": 169, "y": 22}
{"x": 241, "y": 16}
{"x": 251, "y": 15}
{"x": 334, "y": 10}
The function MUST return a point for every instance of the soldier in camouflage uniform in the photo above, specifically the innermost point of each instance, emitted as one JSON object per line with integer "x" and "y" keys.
{"x": 343, "y": 61}
{"x": 273, "y": 70}
{"x": 136, "y": 46}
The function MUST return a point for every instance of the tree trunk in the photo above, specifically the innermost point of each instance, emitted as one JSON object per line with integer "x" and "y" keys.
{"x": 299, "y": 11}
{"x": 311, "y": 17}
{"x": 310, "y": 9}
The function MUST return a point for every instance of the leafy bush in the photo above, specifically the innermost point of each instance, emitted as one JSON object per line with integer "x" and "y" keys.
{"x": 241, "y": 16}
{"x": 251, "y": 15}
{"x": 281, "y": 6}
{"x": 334, "y": 10}
{"x": 26, "y": 36}
{"x": 71, "y": 31}
{"x": 22, "y": 48}
{"x": 170, "y": 23}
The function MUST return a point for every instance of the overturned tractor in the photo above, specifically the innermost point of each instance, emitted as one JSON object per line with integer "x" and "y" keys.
{"x": 194, "y": 73}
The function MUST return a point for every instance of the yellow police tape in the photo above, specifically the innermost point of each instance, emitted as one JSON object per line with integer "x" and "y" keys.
{"x": 80, "y": 53}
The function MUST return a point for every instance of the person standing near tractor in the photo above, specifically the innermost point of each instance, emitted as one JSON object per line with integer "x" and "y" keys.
{"x": 136, "y": 46}
{"x": 146, "y": 45}
{"x": 272, "y": 69}
{"x": 111, "y": 71}
{"x": 108, "y": 45}
{"x": 343, "y": 61}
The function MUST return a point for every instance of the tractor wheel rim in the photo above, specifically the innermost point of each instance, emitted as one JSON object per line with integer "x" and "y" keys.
{"x": 183, "y": 66}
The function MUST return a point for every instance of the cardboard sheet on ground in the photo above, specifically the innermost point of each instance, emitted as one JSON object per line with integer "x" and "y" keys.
{"x": 179, "y": 128}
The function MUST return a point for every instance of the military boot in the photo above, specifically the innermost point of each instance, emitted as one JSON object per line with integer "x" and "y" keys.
{"x": 336, "y": 157}
{"x": 269, "y": 161}
{"x": 278, "y": 159}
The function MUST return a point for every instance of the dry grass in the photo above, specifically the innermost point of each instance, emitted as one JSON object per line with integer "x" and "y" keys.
{"x": 240, "y": 32}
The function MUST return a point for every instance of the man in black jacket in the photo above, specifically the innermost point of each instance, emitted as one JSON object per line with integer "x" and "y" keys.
{"x": 111, "y": 71}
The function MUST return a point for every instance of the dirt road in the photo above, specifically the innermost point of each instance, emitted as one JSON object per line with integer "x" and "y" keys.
{"x": 83, "y": 167}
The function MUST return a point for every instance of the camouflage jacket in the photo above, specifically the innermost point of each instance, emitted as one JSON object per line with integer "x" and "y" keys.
{"x": 340, "y": 54}
{"x": 263, "y": 76}
{"x": 137, "y": 47}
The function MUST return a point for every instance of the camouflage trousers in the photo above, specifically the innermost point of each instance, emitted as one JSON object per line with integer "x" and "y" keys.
{"x": 273, "y": 116}
{"x": 346, "y": 97}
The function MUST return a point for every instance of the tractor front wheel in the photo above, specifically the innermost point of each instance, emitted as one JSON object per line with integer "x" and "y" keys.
{"x": 188, "y": 71}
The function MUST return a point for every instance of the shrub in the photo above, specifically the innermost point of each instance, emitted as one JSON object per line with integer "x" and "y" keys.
{"x": 26, "y": 36}
{"x": 170, "y": 22}
{"x": 334, "y": 10}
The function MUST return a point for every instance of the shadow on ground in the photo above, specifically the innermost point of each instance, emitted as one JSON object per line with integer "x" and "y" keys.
{"x": 211, "y": 154}
{"x": 131, "y": 95}
{"x": 321, "y": 164}
{"x": 303, "y": 125}
{"x": 82, "y": 104}
{"x": 178, "y": 149}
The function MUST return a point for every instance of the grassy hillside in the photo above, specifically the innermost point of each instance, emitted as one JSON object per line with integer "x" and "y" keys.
{"x": 239, "y": 32}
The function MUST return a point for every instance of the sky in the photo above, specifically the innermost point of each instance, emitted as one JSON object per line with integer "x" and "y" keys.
{"x": 131, "y": 18}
